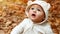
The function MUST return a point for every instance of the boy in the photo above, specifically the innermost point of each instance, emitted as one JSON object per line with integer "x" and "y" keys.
{"x": 36, "y": 23}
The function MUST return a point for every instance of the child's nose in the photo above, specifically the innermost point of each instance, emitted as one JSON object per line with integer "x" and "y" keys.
{"x": 34, "y": 11}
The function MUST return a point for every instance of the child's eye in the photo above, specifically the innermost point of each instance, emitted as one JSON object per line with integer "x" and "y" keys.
{"x": 38, "y": 9}
{"x": 32, "y": 8}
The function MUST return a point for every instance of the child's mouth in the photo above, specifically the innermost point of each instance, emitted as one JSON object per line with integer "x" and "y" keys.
{"x": 33, "y": 15}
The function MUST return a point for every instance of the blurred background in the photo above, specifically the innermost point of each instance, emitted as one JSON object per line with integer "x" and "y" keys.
{"x": 12, "y": 12}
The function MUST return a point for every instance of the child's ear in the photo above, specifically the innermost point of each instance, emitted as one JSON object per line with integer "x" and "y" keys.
{"x": 48, "y": 6}
{"x": 29, "y": 2}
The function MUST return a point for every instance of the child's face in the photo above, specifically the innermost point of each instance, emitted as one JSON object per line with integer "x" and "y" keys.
{"x": 36, "y": 13}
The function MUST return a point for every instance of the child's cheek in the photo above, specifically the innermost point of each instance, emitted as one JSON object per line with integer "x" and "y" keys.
{"x": 38, "y": 14}
{"x": 29, "y": 12}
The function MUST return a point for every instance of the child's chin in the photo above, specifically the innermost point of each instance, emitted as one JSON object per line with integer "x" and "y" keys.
{"x": 33, "y": 18}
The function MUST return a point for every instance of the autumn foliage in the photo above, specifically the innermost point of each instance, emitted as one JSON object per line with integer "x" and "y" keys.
{"x": 54, "y": 15}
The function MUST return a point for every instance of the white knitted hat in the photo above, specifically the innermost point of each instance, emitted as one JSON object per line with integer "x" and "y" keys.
{"x": 43, "y": 4}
